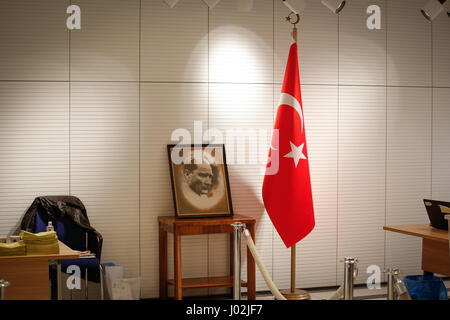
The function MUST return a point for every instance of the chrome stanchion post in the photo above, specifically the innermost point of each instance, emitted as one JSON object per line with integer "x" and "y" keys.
{"x": 238, "y": 227}
{"x": 3, "y": 284}
{"x": 349, "y": 270}
{"x": 392, "y": 273}
{"x": 401, "y": 290}
{"x": 396, "y": 289}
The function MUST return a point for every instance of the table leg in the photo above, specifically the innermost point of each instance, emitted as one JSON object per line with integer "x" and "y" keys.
{"x": 59, "y": 279}
{"x": 251, "y": 276}
{"x": 231, "y": 259}
{"x": 231, "y": 254}
{"x": 163, "y": 264}
{"x": 177, "y": 266}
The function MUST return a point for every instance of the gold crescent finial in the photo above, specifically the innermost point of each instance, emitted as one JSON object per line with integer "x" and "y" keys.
{"x": 290, "y": 19}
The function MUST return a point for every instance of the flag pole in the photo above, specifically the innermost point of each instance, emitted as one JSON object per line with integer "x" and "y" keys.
{"x": 293, "y": 267}
{"x": 293, "y": 293}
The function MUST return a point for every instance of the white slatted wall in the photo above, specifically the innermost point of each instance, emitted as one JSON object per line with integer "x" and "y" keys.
{"x": 34, "y": 43}
{"x": 248, "y": 108}
{"x": 361, "y": 176}
{"x": 441, "y": 143}
{"x": 160, "y": 115}
{"x": 107, "y": 46}
{"x": 90, "y": 112}
{"x": 408, "y": 178}
{"x": 362, "y": 52}
{"x": 104, "y": 143}
{"x": 34, "y": 146}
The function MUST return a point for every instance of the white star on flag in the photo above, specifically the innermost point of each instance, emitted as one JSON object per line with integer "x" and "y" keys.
{"x": 296, "y": 153}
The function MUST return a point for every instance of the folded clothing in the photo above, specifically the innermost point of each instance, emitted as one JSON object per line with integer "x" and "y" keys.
{"x": 40, "y": 243}
{"x": 38, "y": 249}
{"x": 13, "y": 249}
{"x": 43, "y": 237}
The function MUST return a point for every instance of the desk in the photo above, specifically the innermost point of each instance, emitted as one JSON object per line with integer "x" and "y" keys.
{"x": 29, "y": 274}
{"x": 435, "y": 254}
{"x": 197, "y": 226}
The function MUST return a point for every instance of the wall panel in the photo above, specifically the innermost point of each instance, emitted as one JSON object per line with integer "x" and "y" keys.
{"x": 240, "y": 43}
{"x": 317, "y": 253}
{"x": 362, "y": 51}
{"x": 244, "y": 114}
{"x": 160, "y": 116}
{"x": 107, "y": 45}
{"x": 104, "y": 156}
{"x": 174, "y": 42}
{"x": 318, "y": 44}
{"x": 361, "y": 176}
{"x": 441, "y": 49}
{"x": 34, "y": 147}
{"x": 408, "y": 44}
{"x": 34, "y": 40}
{"x": 441, "y": 145}
{"x": 408, "y": 172}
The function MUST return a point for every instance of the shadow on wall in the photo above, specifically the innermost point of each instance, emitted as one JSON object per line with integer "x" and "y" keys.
{"x": 15, "y": 230}
{"x": 244, "y": 198}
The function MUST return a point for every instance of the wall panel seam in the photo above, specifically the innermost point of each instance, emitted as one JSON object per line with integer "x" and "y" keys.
{"x": 139, "y": 165}
{"x": 337, "y": 149}
{"x": 386, "y": 137}
{"x": 218, "y": 82}
{"x": 432, "y": 105}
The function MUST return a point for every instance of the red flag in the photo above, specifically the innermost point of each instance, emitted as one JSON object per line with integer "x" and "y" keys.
{"x": 287, "y": 193}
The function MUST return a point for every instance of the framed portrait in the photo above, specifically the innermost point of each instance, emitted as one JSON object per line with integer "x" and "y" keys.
{"x": 200, "y": 184}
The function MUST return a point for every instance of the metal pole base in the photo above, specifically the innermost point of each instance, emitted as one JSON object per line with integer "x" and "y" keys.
{"x": 3, "y": 284}
{"x": 297, "y": 294}
{"x": 238, "y": 227}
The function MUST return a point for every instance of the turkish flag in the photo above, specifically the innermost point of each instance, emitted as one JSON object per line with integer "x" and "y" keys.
{"x": 287, "y": 191}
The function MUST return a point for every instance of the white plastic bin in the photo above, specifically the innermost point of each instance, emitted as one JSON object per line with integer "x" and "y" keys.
{"x": 126, "y": 289}
{"x": 120, "y": 288}
{"x": 112, "y": 273}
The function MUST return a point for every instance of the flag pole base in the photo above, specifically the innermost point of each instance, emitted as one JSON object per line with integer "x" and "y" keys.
{"x": 296, "y": 294}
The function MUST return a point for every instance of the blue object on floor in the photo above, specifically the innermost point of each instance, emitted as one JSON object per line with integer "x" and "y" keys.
{"x": 426, "y": 288}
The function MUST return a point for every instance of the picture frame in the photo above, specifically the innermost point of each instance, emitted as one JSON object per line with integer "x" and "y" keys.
{"x": 199, "y": 179}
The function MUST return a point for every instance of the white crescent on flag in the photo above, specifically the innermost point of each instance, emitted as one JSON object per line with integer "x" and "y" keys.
{"x": 291, "y": 101}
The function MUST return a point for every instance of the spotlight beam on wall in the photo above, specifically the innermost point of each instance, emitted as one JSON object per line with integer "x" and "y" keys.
{"x": 432, "y": 9}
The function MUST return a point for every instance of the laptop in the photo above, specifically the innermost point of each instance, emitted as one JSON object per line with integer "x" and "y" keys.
{"x": 436, "y": 211}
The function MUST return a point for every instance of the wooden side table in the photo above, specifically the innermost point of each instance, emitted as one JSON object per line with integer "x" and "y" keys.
{"x": 435, "y": 254}
{"x": 28, "y": 274}
{"x": 197, "y": 226}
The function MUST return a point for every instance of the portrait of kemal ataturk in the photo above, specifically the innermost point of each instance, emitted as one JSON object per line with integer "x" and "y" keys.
{"x": 199, "y": 180}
